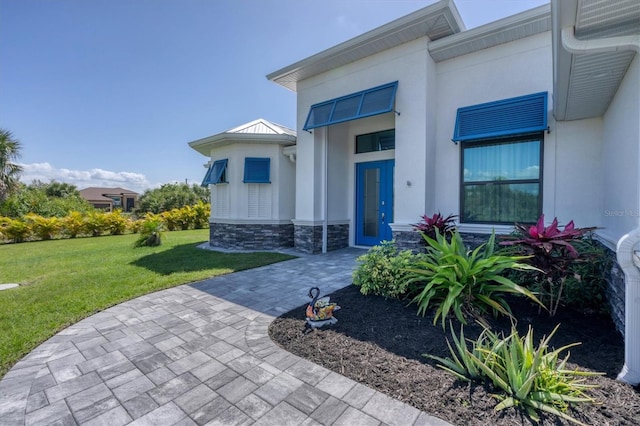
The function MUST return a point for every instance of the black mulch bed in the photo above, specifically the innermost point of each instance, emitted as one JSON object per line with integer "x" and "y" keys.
{"x": 380, "y": 343}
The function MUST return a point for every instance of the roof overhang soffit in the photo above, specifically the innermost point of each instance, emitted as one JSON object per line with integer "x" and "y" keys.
{"x": 435, "y": 21}
{"x": 594, "y": 43}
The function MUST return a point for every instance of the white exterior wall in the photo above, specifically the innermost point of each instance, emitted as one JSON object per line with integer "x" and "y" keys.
{"x": 513, "y": 69}
{"x": 570, "y": 163}
{"x": 577, "y": 184}
{"x": 583, "y": 160}
{"x": 620, "y": 209}
{"x": 408, "y": 65}
{"x": 270, "y": 203}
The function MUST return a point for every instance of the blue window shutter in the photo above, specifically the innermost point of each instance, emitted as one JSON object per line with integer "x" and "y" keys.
{"x": 215, "y": 173}
{"x": 374, "y": 101}
{"x": 507, "y": 117}
{"x": 257, "y": 170}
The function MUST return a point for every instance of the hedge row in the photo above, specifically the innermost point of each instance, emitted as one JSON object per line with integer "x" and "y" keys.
{"x": 32, "y": 227}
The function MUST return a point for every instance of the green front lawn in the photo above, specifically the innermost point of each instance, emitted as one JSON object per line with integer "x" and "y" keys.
{"x": 63, "y": 281}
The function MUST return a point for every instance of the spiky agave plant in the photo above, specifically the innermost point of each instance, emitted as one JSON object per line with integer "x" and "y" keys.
{"x": 533, "y": 378}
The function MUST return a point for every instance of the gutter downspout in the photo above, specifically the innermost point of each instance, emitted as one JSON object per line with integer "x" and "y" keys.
{"x": 600, "y": 45}
{"x": 625, "y": 251}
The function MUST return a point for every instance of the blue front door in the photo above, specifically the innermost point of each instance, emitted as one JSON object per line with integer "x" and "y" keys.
{"x": 374, "y": 202}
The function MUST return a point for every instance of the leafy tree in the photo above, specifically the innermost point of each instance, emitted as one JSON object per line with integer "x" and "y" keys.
{"x": 60, "y": 189}
{"x": 171, "y": 196}
{"x": 9, "y": 170}
{"x": 44, "y": 199}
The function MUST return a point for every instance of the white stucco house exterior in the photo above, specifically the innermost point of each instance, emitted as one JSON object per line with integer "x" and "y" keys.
{"x": 537, "y": 113}
{"x": 251, "y": 173}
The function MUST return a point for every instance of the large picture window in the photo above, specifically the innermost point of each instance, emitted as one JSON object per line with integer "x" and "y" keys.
{"x": 502, "y": 180}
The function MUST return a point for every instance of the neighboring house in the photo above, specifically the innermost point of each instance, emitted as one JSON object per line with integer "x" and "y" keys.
{"x": 252, "y": 179}
{"x": 110, "y": 199}
{"x": 534, "y": 113}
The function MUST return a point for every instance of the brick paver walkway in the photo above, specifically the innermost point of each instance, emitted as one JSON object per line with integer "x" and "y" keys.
{"x": 197, "y": 354}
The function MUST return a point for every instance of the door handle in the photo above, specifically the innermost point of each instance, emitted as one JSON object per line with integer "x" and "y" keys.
{"x": 382, "y": 218}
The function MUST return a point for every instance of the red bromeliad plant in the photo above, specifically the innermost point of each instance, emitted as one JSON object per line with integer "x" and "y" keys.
{"x": 551, "y": 251}
{"x": 444, "y": 225}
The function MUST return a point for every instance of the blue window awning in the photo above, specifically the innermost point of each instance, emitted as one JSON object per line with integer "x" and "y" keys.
{"x": 216, "y": 173}
{"x": 374, "y": 101}
{"x": 257, "y": 170}
{"x": 507, "y": 117}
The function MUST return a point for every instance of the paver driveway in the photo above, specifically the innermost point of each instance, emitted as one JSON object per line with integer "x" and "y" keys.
{"x": 197, "y": 354}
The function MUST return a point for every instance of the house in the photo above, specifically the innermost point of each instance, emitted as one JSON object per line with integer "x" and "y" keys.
{"x": 110, "y": 199}
{"x": 536, "y": 113}
{"x": 252, "y": 179}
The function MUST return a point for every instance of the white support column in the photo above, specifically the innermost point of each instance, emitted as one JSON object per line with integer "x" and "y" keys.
{"x": 625, "y": 253}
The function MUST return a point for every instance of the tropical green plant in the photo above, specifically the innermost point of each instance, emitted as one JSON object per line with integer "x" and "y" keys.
{"x": 551, "y": 251}
{"x": 9, "y": 170}
{"x": 150, "y": 232}
{"x": 171, "y": 219}
{"x": 115, "y": 222}
{"x": 202, "y": 211}
{"x": 15, "y": 230}
{"x": 469, "y": 283}
{"x": 186, "y": 216}
{"x": 73, "y": 224}
{"x": 585, "y": 288}
{"x": 534, "y": 379}
{"x": 95, "y": 223}
{"x": 44, "y": 228}
{"x": 383, "y": 270}
{"x": 444, "y": 225}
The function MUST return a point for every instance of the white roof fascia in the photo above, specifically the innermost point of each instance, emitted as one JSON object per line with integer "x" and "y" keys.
{"x": 525, "y": 24}
{"x": 394, "y": 33}
{"x": 204, "y": 146}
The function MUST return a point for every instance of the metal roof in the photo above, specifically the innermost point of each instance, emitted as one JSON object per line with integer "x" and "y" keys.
{"x": 262, "y": 127}
{"x": 256, "y": 131}
{"x": 586, "y": 81}
{"x": 436, "y": 21}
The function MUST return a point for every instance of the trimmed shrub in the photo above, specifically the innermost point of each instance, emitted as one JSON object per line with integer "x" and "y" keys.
{"x": 15, "y": 230}
{"x": 115, "y": 222}
{"x": 383, "y": 271}
{"x": 44, "y": 228}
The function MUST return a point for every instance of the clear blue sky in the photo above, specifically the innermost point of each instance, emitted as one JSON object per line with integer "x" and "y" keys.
{"x": 109, "y": 92}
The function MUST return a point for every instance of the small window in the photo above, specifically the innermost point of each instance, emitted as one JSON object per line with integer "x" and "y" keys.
{"x": 379, "y": 141}
{"x": 257, "y": 170}
{"x": 216, "y": 174}
{"x": 502, "y": 180}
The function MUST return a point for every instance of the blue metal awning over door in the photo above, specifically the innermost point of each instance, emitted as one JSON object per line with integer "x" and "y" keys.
{"x": 374, "y": 101}
{"x": 506, "y": 117}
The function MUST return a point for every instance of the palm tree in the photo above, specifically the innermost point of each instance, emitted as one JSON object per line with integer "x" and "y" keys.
{"x": 9, "y": 171}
